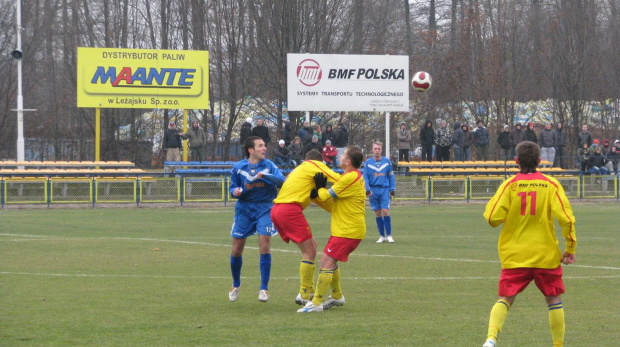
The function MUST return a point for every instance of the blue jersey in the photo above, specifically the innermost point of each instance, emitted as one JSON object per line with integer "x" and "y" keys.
{"x": 246, "y": 176}
{"x": 379, "y": 174}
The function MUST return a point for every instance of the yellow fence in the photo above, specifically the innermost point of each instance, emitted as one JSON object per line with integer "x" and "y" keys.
{"x": 181, "y": 189}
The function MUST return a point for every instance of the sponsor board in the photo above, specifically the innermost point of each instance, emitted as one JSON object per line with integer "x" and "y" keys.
{"x": 340, "y": 82}
{"x": 141, "y": 78}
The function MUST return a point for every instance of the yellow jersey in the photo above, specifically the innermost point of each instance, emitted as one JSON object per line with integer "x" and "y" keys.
{"x": 299, "y": 183}
{"x": 526, "y": 204}
{"x": 349, "y": 205}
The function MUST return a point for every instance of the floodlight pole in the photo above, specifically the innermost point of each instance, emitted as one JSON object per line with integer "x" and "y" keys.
{"x": 20, "y": 98}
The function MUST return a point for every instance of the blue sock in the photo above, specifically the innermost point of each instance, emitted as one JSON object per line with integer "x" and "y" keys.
{"x": 380, "y": 226}
{"x": 387, "y": 221}
{"x": 265, "y": 270}
{"x": 235, "y": 269}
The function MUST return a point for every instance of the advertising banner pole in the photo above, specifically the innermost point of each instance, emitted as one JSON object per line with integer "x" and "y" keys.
{"x": 387, "y": 135}
{"x": 185, "y": 127}
{"x": 97, "y": 134}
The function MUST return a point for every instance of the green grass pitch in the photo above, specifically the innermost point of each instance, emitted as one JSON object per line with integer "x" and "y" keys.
{"x": 160, "y": 277}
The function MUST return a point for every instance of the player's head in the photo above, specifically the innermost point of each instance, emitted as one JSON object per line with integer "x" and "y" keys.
{"x": 253, "y": 146}
{"x": 377, "y": 149}
{"x": 352, "y": 157}
{"x": 314, "y": 155}
{"x": 528, "y": 156}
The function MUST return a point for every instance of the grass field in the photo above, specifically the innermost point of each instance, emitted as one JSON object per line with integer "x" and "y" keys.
{"x": 160, "y": 277}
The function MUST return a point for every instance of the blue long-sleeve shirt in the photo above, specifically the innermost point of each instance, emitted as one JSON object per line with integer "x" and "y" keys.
{"x": 245, "y": 175}
{"x": 379, "y": 174}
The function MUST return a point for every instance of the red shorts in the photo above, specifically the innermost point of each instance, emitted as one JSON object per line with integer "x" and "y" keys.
{"x": 290, "y": 222}
{"x": 514, "y": 281}
{"x": 339, "y": 248}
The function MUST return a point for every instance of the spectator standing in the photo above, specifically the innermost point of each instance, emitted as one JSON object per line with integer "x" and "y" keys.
{"x": 458, "y": 139}
{"x": 427, "y": 139}
{"x": 504, "y": 143}
{"x": 481, "y": 141}
{"x": 584, "y": 137}
{"x": 172, "y": 143}
{"x": 530, "y": 134}
{"x": 527, "y": 204}
{"x": 296, "y": 149}
{"x": 329, "y": 134}
{"x": 316, "y": 131}
{"x": 516, "y": 137}
{"x": 282, "y": 156}
{"x": 468, "y": 140}
{"x": 404, "y": 142}
{"x": 253, "y": 182}
{"x": 548, "y": 141}
{"x": 380, "y": 188}
{"x": 443, "y": 141}
{"x": 305, "y": 133}
{"x": 342, "y": 138}
{"x": 287, "y": 134}
{"x": 262, "y": 131}
{"x": 560, "y": 142}
{"x": 246, "y": 131}
{"x": 197, "y": 141}
{"x": 329, "y": 154}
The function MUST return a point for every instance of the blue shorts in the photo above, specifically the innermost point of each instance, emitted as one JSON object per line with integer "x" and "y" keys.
{"x": 380, "y": 198}
{"x": 248, "y": 223}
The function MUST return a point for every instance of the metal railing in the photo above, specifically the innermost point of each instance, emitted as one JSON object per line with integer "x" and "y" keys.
{"x": 144, "y": 189}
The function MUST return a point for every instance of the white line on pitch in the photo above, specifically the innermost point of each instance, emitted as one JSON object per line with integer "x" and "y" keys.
{"x": 319, "y": 253}
{"x": 439, "y": 278}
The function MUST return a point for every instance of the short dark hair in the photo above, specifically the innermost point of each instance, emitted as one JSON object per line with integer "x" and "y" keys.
{"x": 528, "y": 154}
{"x": 314, "y": 155}
{"x": 356, "y": 156}
{"x": 249, "y": 143}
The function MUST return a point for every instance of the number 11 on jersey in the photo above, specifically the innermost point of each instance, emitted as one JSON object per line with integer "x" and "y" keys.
{"x": 524, "y": 196}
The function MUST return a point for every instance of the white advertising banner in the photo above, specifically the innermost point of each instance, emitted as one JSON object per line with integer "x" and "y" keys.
{"x": 341, "y": 82}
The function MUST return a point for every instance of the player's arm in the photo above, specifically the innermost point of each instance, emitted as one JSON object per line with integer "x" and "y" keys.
{"x": 392, "y": 180}
{"x": 563, "y": 212}
{"x": 275, "y": 177}
{"x": 235, "y": 187}
{"x": 497, "y": 208}
{"x": 367, "y": 175}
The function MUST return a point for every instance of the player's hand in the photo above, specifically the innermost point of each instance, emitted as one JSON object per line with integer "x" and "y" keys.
{"x": 320, "y": 180}
{"x": 314, "y": 193}
{"x": 392, "y": 192}
{"x": 368, "y": 193}
{"x": 237, "y": 191}
{"x": 568, "y": 258}
{"x": 259, "y": 175}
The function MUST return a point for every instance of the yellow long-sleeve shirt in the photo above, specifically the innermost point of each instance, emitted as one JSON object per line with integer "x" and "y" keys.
{"x": 299, "y": 183}
{"x": 526, "y": 204}
{"x": 348, "y": 209}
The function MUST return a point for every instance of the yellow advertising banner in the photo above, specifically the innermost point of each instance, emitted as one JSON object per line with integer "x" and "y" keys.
{"x": 142, "y": 78}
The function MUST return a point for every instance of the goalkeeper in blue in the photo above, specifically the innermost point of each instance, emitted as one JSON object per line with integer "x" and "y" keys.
{"x": 254, "y": 182}
{"x": 380, "y": 188}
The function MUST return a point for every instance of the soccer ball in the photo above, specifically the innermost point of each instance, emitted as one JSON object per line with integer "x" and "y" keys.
{"x": 421, "y": 81}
